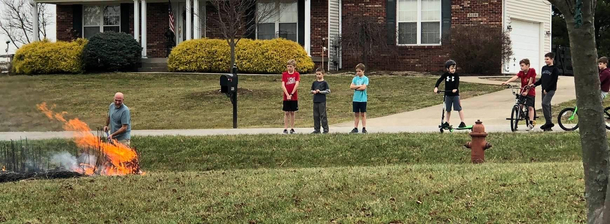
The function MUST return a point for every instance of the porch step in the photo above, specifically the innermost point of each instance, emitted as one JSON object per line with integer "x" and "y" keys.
{"x": 153, "y": 65}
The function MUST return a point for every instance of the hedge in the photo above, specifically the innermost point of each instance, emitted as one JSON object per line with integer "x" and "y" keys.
{"x": 252, "y": 56}
{"x": 112, "y": 51}
{"x": 45, "y": 57}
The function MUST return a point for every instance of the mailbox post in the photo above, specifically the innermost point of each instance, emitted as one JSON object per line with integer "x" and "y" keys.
{"x": 228, "y": 86}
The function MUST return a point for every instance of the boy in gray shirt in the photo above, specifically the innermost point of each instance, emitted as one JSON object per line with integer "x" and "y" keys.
{"x": 319, "y": 89}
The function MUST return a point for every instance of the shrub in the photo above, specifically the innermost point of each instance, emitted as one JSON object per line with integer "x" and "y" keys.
{"x": 480, "y": 54}
{"x": 252, "y": 56}
{"x": 45, "y": 57}
{"x": 112, "y": 51}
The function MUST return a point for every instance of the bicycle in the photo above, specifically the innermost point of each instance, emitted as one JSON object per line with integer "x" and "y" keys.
{"x": 519, "y": 111}
{"x": 568, "y": 118}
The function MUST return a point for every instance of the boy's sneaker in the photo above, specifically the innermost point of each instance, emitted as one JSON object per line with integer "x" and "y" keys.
{"x": 364, "y": 131}
{"x": 291, "y": 131}
{"x": 530, "y": 126}
{"x": 355, "y": 130}
{"x": 445, "y": 125}
{"x": 316, "y": 132}
{"x": 325, "y": 132}
{"x": 544, "y": 126}
{"x": 547, "y": 127}
{"x": 462, "y": 125}
{"x": 285, "y": 131}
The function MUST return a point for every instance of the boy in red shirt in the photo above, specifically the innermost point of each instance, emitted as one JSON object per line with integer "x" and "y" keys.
{"x": 528, "y": 77}
{"x": 290, "y": 82}
{"x": 604, "y": 75}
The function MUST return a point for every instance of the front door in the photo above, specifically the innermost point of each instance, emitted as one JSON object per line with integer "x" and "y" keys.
{"x": 180, "y": 19}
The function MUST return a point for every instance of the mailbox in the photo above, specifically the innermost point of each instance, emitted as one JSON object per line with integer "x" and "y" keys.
{"x": 227, "y": 83}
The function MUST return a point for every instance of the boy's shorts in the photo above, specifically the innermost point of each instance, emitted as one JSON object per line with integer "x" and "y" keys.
{"x": 453, "y": 100}
{"x": 359, "y": 107}
{"x": 291, "y": 105}
{"x": 530, "y": 101}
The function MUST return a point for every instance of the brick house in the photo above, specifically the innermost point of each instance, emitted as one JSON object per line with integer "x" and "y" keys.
{"x": 414, "y": 28}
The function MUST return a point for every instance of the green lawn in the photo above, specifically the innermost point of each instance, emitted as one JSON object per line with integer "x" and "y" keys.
{"x": 342, "y": 178}
{"x": 181, "y": 101}
{"x": 434, "y": 193}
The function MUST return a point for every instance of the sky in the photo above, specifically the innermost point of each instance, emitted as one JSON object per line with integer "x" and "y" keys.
{"x": 51, "y": 35}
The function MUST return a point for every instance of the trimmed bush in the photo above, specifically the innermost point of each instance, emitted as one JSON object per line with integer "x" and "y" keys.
{"x": 252, "y": 56}
{"x": 45, "y": 57}
{"x": 112, "y": 51}
{"x": 480, "y": 54}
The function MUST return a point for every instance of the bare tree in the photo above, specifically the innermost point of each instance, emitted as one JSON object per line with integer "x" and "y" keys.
{"x": 17, "y": 23}
{"x": 366, "y": 37}
{"x": 579, "y": 17}
{"x": 236, "y": 19}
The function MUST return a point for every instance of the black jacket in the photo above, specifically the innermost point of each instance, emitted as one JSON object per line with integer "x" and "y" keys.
{"x": 452, "y": 81}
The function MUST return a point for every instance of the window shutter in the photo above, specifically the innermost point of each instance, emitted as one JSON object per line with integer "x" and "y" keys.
{"x": 446, "y": 25}
{"x": 250, "y": 16}
{"x": 301, "y": 22}
{"x": 391, "y": 21}
{"x": 77, "y": 20}
{"x": 125, "y": 9}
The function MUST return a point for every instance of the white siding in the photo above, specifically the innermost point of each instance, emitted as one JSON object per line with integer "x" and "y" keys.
{"x": 533, "y": 11}
{"x": 334, "y": 31}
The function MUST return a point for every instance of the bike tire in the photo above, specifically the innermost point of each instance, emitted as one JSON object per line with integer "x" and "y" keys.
{"x": 565, "y": 113}
{"x": 514, "y": 118}
{"x": 607, "y": 117}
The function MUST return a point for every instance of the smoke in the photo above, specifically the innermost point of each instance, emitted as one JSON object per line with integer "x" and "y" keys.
{"x": 67, "y": 161}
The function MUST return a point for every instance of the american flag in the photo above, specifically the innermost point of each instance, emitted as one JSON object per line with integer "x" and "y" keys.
{"x": 171, "y": 18}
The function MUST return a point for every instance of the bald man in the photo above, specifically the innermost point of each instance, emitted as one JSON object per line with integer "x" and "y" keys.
{"x": 119, "y": 119}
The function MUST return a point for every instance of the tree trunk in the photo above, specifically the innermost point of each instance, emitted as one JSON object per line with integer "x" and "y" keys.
{"x": 592, "y": 126}
{"x": 232, "y": 44}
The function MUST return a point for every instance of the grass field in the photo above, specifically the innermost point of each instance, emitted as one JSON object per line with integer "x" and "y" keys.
{"x": 337, "y": 178}
{"x": 181, "y": 101}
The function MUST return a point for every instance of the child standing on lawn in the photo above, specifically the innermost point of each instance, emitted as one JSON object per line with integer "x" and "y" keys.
{"x": 550, "y": 74}
{"x": 290, "y": 84}
{"x": 452, "y": 92}
{"x": 319, "y": 89}
{"x": 359, "y": 85}
{"x": 528, "y": 77}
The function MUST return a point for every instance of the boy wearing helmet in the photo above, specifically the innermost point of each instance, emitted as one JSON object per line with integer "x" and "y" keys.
{"x": 452, "y": 93}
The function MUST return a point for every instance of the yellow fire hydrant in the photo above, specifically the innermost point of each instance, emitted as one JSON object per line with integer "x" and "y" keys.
{"x": 478, "y": 145}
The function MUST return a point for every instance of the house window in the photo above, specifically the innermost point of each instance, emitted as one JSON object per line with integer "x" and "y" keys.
{"x": 277, "y": 18}
{"x": 101, "y": 19}
{"x": 419, "y": 22}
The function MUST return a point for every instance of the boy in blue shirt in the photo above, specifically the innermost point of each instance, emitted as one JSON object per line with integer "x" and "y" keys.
{"x": 359, "y": 85}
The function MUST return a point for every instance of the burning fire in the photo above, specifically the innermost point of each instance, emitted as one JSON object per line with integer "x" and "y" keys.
{"x": 120, "y": 159}
{"x": 3, "y": 168}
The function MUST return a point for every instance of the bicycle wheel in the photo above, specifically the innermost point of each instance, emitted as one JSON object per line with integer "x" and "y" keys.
{"x": 565, "y": 120}
{"x": 607, "y": 117}
{"x": 514, "y": 118}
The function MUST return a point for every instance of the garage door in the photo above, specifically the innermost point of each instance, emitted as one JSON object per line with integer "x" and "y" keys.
{"x": 525, "y": 37}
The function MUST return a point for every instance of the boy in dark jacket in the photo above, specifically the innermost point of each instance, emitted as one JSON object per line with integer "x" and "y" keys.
{"x": 452, "y": 93}
{"x": 319, "y": 89}
{"x": 550, "y": 74}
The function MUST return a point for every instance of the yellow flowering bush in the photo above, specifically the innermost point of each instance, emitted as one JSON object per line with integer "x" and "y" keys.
{"x": 45, "y": 57}
{"x": 252, "y": 56}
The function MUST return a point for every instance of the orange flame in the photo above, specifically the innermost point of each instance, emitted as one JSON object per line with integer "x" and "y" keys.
{"x": 121, "y": 159}
{"x": 3, "y": 168}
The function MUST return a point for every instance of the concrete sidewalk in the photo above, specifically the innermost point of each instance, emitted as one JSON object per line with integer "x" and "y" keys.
{"x": 492, "y": 109}
{"x": 6, "y": 136}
